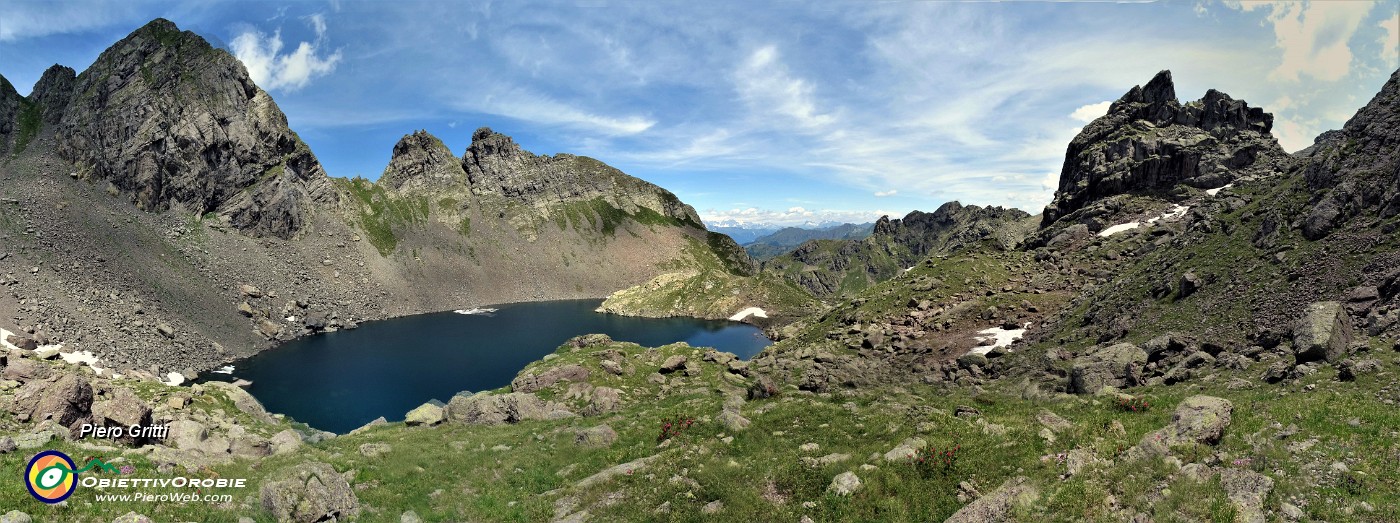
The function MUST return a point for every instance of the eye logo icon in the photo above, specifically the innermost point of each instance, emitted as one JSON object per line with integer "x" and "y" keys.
{"x": 51, "y": 476}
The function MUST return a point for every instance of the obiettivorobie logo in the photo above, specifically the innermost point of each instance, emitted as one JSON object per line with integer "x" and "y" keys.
{"x": 52, "y": 476}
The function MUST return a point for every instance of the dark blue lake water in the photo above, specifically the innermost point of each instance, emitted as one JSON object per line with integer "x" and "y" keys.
{"x": 341, "y": 380}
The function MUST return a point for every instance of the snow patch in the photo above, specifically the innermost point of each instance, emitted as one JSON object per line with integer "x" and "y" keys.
{"x": 1002, "y": 337}
{"x": 226, "y": 369}
{"x": 1217, "y": 190}
{"x": 1175, "y": 213}
{"x": 751, "y": 311}
{"x": 173, "y": 379}
{"x": 475, "y": 310}
{"x": 1118, "y": 228}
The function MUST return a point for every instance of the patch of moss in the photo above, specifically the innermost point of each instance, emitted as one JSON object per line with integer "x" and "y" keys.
{"x": 31, "y": 120}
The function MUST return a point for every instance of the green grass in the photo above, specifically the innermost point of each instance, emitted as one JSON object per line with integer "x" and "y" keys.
{"x": 31, "y": 120}
{"x": 380, "y": 212}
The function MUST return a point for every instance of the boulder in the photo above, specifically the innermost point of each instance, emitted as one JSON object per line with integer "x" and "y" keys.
{"x": 1113, "y": 366}
{"x": 122, "y": 409}
{"x": 1197, "y": 419}
{"x": 905, "y": 450}
{"x": 244, "y": 401}
{"x": 286, "y": 442}
{"x": 603, "y": 400}
{"x": 599, "y": 436}
{"x": 430, "y": 413}
{"x": 23, "y": 342}
{"x": 1349, "y": 369}
{"x": 731, "y": 420}
{"x": 67, "y": 402}
{"x": 763, "y": 387}
{"x": 1190, "y": 283}
{"x": 374, "y": 450}
{"x": 310, "y": 493}
{"x": 494, "y": 409}
{"x": 1322, "y": 333}
{"x": 612, "y": 367}
{"x": 15, "y": 516}
{"x": 1247, "y": 491}
{"x": 998, "y": 505}
{"x": 532, "y": 382}
{"x": 672, "y": 364}
{"x": 844, "y": 484}
{"x": 25, "y": 370}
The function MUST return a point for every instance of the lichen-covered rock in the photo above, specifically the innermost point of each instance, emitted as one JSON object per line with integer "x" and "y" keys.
{"x": 312, "y": 492}
{"x": 998, "y": 505}
{"x": 1196, "y": 420}
{"x": 1322, "y": 333}
{"x": 844, "y": 484}
{"x": 599, "y": 436}
{"x": 484, "y": 408}
{"x": 531, "y": 382}
{"x": 1113, "y": 366}
{"x": 1247, "y": 491}
{"x": 430, "y": 413}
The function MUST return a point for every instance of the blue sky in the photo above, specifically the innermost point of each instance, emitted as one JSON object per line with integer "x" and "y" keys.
{"x": 776, "y": 112}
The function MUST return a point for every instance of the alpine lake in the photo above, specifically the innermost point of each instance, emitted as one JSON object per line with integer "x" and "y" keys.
{"x": 339, "y": 381}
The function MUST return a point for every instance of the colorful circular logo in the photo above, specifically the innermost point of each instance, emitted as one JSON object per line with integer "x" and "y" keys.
{"x": 50, "y": 476}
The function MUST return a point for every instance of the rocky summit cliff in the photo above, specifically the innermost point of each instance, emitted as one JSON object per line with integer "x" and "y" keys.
{"x": 1150, "y": 142}
{"x": 843, "y": 267}
{"x": 170, "y": 121}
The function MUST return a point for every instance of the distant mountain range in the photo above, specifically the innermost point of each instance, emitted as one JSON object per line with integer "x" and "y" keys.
{"x": 787, "y": 238}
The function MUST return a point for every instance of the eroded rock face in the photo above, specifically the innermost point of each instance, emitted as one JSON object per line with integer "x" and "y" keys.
{"x": 1149, "y": 141}
{"x": 313, "y": 492}
{"x": 1356, "y": 168}
{"x": 173, "y": 122}
{"x": 497, "y": 167}
{"x": 422, "y": 161}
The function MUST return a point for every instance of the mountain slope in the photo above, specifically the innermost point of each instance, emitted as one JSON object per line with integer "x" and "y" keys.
{"x": 843, "y": 267}
{"x": 159, "y": 212}
{"x": 783, "y": 240}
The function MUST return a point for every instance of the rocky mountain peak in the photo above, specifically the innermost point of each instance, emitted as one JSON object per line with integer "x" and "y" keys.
{"x": 486, "y": 142}
{"x": 53, "y": 91}
{"x": 422, "y": 161}
{"x": 1149, "y": 142}
{"x": 170, "y": 121}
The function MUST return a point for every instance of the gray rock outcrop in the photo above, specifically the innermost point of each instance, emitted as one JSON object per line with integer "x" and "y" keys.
{"x": 1117, "y": 365}
{"x": 171, "y": 121}
{"x": 312, "y": 492}
{"x": 1149, "y": 141}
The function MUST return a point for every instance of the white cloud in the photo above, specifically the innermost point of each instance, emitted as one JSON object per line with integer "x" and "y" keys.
{"x": 34, "y": 19}
{"x": 882, "y": 194}
{"x": 1313, "y": 36}
{"x": 1390, "y": 40}
{"x": 796, "y": 216}
{"x": 271, "y": 69}
{"x": 1091, "y": 112}
{"x": 525, "y": 104}
{"x": 767, "y": 86}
